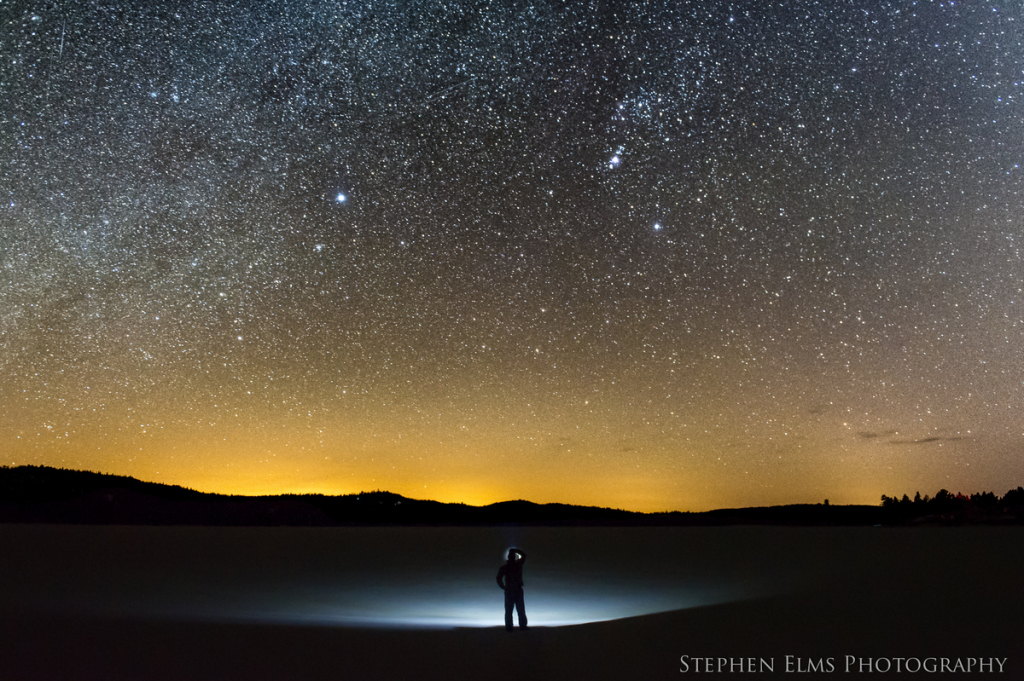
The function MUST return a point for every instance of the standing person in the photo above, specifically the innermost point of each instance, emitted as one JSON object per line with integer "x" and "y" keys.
{"x": 510, "y": 579}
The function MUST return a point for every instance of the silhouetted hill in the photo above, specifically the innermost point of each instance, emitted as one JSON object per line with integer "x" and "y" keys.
{"x": 40, "y": 494}
{"x": 37, "y": 484}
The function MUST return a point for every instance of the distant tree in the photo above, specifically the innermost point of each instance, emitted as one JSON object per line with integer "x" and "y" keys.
{"x": 917, "y": 498}
{"x": 1015, "y": 497}
{"x": 984, "y": 499}
{"x": 947, "y": 502}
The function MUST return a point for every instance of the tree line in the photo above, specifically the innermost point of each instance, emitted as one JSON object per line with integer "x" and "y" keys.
{"x": 945, "y": 505}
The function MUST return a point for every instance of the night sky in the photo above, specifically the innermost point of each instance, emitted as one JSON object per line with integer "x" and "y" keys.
{"x": 672, "y": 255}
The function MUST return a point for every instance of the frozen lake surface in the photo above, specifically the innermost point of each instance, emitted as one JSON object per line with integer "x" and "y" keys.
{"x": 429, "y": 577}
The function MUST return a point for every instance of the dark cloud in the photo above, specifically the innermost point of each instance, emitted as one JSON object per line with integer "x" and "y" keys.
{"x": 925, "y": 440}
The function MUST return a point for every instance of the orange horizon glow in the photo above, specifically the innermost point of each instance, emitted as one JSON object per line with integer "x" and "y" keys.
{"x": 463, "y": 472}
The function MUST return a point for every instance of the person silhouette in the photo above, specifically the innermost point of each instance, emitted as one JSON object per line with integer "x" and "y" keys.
{"x": 510, "y": 579}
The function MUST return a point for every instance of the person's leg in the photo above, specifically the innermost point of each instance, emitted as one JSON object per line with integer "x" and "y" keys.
{"x": 510, "y": 602}
{"x": 520, "y": 608}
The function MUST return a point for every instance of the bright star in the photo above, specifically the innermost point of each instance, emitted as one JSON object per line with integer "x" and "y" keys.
{"x": 657, "y": 227}
{"x": 340, "y": 198}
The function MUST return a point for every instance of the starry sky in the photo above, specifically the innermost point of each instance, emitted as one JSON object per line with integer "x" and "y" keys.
{"x": 647, "y": 255}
